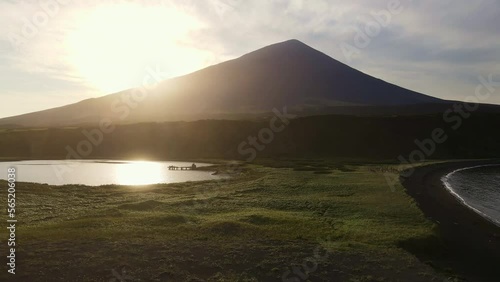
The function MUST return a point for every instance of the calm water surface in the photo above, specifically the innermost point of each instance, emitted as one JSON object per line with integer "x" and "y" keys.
{"x": 103, "y": 172}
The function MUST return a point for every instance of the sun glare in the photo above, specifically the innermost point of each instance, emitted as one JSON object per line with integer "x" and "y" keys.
{"x": 114, "y": 44}
{"x": 139, "y": 173}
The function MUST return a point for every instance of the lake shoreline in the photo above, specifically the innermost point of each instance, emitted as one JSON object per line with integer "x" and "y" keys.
{"x": 99, "y": 172}
{"x": 472, "y": 241}
{"x": 97, "y": 159}
{"x": 257, "y": 226}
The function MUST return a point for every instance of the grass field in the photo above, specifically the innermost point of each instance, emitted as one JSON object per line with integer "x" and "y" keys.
{"x": 301, "y": 220}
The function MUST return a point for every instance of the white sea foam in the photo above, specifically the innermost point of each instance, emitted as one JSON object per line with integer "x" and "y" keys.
{"x": 446, "y": 181}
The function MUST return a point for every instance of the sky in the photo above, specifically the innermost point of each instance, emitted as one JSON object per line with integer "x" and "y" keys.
{"x": 58, "y": 52}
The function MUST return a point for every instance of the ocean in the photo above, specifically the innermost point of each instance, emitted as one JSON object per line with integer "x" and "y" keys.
{"x": 478, "y": 188}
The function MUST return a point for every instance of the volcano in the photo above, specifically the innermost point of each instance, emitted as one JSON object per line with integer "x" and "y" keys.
{"x": 288, "y": 74}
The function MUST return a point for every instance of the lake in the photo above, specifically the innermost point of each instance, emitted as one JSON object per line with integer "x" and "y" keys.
{"x": 103, "y": 172}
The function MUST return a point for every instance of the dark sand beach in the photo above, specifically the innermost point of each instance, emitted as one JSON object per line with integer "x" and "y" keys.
{"x": 471, "y": 243}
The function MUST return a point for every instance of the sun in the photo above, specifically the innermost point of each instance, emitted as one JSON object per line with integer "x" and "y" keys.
{"x": 111, "y": 46}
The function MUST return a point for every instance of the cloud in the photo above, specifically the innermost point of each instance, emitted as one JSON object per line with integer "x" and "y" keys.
{"x": 435, "y": 47}
{"x": 438, "y": 48}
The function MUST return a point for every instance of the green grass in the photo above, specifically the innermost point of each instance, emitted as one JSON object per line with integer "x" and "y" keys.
{"x": 252, "y": 227}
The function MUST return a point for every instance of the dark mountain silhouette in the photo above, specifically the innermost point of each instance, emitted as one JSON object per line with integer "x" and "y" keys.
{"x": 288, "y": 74}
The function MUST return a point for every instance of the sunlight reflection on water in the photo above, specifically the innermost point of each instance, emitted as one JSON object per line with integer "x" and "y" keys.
{"x": 104, "y": 172}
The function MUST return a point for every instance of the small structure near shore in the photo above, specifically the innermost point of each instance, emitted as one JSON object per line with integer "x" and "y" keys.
{"x": 173, "y": 167}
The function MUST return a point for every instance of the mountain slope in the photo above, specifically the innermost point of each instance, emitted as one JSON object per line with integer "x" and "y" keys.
{"x": 288, "y": 74}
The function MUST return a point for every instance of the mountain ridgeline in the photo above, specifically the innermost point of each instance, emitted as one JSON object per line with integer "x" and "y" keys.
{"x": 230, "y": 111}
{"x": 289, "y": 74}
